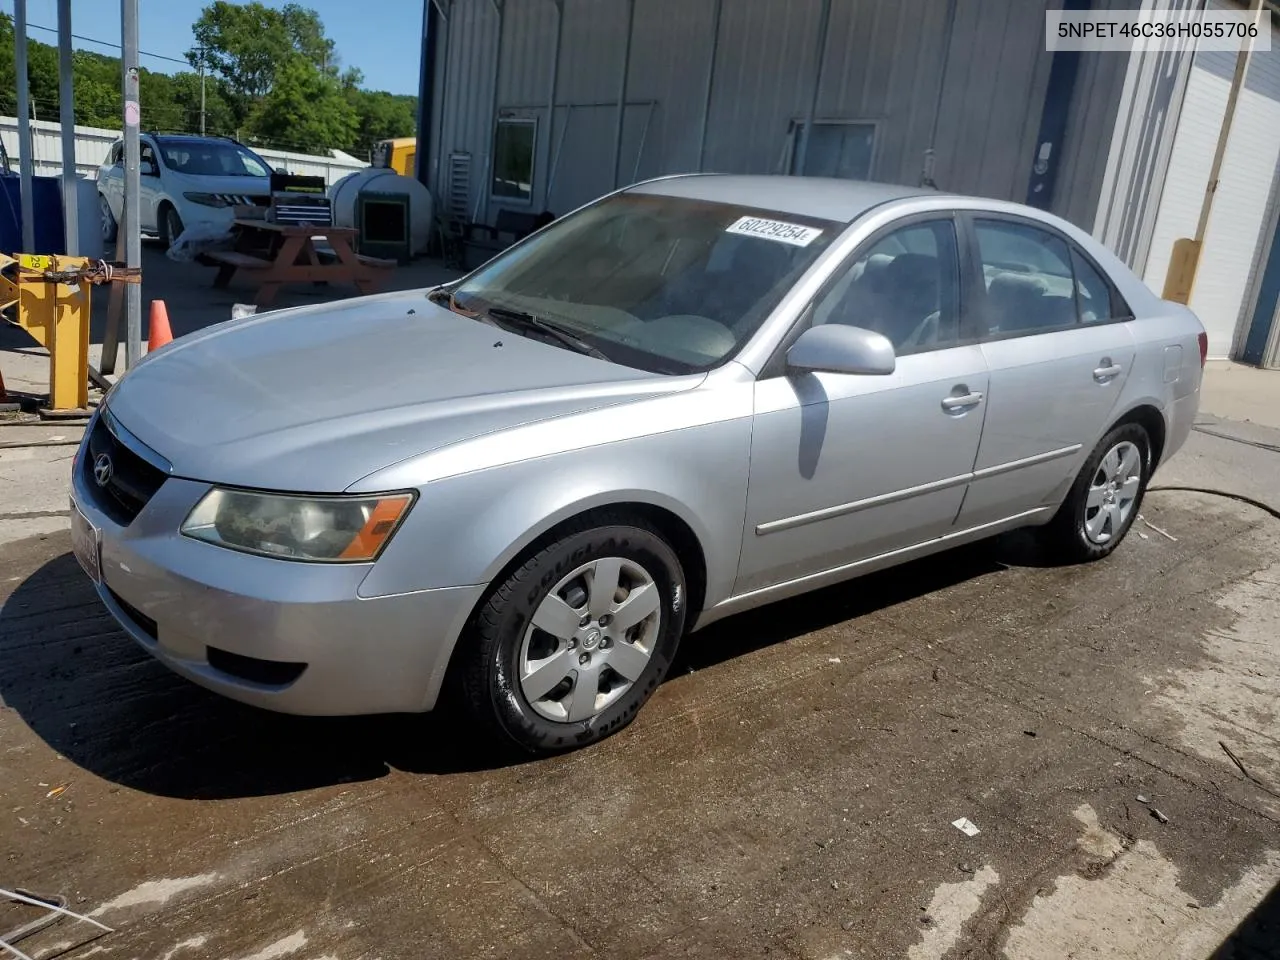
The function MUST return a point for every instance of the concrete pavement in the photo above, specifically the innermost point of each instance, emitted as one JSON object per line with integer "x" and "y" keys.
{"x": 1234, "y": 391}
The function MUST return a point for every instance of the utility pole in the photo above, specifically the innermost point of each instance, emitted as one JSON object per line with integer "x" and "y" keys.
{"x": 1185, "y": 260}
{"x": 132, "y": 179}
{"x": 202, "y": 91}
{"x": 67, "y": 119}
{"x": 27, "y": 202}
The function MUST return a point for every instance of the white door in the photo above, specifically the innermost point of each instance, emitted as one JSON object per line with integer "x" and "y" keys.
{"x": 150, "y": 188}
{"x": 1238, "y": 222}
{"x": 847, "y": 467}
{"x": 111, "y": 180}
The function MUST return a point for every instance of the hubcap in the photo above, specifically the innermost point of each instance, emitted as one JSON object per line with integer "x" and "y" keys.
{"x": 1113, "y": 490}
{"x": 590, "y": 639}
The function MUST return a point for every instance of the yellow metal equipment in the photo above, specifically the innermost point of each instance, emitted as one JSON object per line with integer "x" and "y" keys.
{"x": 48, "y": 296}
{"x": 398, "y": 154}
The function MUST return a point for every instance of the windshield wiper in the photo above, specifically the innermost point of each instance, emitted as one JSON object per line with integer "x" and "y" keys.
{"x": 521, "y": 318}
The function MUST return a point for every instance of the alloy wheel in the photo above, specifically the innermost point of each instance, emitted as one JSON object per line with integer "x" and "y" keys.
{"x": 590, "y": 639}
{"x": 1113, "y": 491}
{"x": 108, "y": 219}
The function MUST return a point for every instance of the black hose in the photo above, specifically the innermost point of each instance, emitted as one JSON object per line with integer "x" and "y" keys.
{"x": 1219, "y": 493}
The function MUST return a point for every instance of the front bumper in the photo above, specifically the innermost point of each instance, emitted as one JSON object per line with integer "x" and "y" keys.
{"x": 190, "y": 604}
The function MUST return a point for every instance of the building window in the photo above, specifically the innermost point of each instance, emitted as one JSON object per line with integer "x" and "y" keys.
{"x": 836, "y": 149}
{"x": 513, "y": 148}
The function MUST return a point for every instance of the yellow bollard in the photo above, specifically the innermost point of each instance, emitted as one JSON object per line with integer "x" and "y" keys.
{"x": 56, "y": 314}
{"x": 1181, "y": 277}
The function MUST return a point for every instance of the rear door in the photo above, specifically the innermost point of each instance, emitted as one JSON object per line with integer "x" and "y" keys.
{"x": 1058, "y": 353}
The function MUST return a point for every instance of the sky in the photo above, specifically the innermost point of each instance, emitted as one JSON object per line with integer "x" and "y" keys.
{"x": 383, "y": 44}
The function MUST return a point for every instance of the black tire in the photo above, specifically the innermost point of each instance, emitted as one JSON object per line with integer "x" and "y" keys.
{"x": 109, "y": 225}
{"x": 488, "y": 666}
{"x": 1065, "y": 537}
{"x": 170, "y": 225}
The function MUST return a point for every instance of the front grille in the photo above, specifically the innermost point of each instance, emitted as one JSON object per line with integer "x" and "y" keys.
{"x": 132, "y": 481}
{"x": 243, "y": 199}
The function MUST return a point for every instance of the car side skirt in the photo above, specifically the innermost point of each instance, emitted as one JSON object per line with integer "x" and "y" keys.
{"x": 815, "y": 581}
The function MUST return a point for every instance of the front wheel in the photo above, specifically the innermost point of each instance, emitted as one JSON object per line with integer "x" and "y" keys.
{"x": 1105, "y": 498}
{"x": 170, "y": 225}
{"x": 568, "y": 648}
{"x": 109, "y": 226}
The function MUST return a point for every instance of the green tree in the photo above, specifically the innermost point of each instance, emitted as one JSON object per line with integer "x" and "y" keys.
{"x": 305, "y": 109}
{"x": 382, "y": 116}
{"x": 247, "y": 46}
{"x": 220, "y": 119}
{"x": 271, "y": 73}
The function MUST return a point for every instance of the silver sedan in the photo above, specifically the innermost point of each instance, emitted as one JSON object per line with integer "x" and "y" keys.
{"x": 686, "y": 399}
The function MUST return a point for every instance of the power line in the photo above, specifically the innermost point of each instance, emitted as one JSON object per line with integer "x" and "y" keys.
{"x": 108, "y": 43}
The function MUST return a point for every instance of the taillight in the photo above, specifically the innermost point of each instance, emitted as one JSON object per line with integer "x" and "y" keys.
{"x": 1204, "y": 347}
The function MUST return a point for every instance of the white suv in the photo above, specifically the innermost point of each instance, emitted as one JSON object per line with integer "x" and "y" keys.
{"x": 185, "y": 180}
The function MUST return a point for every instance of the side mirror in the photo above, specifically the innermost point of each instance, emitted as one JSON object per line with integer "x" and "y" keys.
{"x": 148, "y": 168}
{"x": 837, "y": 348}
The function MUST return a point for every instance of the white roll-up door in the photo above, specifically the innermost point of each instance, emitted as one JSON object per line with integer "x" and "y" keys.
{"x": 1236, "y": 224}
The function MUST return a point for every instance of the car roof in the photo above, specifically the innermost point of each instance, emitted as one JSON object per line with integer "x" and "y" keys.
{"x": 820, "y": 197}
{"x": 193, "y": 137}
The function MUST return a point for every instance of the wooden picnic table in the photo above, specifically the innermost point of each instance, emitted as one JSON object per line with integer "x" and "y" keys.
{"x": 280, "y": 253}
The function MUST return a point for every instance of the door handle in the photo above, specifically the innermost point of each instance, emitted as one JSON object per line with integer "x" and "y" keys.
{"x": 1107, "y": 371}
{"x": 964, "y": 402}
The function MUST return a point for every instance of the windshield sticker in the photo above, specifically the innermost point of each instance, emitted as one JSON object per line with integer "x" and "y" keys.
{"x": 792, "y": 233}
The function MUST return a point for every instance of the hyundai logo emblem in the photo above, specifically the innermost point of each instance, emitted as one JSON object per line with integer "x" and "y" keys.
{"x": 102, "y": 470}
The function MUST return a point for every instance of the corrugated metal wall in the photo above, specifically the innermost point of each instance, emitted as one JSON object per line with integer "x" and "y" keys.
{"x": 1238, "y": 230}
{"x": 1153, "y": 85}
{"x": 883, "y": 63}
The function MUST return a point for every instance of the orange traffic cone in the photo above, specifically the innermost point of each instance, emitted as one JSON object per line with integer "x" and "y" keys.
{"x": 160, "y": 332}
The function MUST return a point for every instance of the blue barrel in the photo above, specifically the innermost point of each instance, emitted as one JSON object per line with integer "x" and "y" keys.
{"x": 46, "y": 196}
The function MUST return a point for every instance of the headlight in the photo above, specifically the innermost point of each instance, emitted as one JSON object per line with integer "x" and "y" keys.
{"x": 327, "y": 529}
{"x": 207, "y": 199}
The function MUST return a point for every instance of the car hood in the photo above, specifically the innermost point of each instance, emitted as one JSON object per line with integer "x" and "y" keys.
{"x": 315, "y": 398}
{"x": 234, "y": 186}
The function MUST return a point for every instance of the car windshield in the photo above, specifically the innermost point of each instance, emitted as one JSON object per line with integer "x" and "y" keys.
{"x": 666, "y": 284}
{"x": 211, "y": 158}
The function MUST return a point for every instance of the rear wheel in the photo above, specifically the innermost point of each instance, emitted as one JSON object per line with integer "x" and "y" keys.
{"x": 170, "y": 225}
{"x": 569, "y": 647}
{"x": 1105, "y": 498}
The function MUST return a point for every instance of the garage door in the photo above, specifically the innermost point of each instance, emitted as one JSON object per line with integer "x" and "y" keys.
{"x": 1239, "y": 217}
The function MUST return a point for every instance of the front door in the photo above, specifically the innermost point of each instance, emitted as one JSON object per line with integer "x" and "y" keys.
{"x": 149, "y": 188}
{"x": 1058, "y": 351}
{"x": 847, "y": 467}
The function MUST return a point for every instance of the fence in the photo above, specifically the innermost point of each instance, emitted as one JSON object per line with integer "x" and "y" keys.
{"x": 92, "y": 144}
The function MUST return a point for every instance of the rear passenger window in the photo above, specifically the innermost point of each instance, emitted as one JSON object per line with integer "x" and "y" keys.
{"x": 1028, "y": 275}
{"x": 1093, "y": 291}
{"x": 905, "y": 286}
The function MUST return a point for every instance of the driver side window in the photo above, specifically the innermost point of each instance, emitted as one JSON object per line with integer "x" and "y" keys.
{"x": 906, "y": 285}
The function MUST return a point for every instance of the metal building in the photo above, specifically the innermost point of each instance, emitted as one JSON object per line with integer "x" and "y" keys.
{"x": 547, "y": 104}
